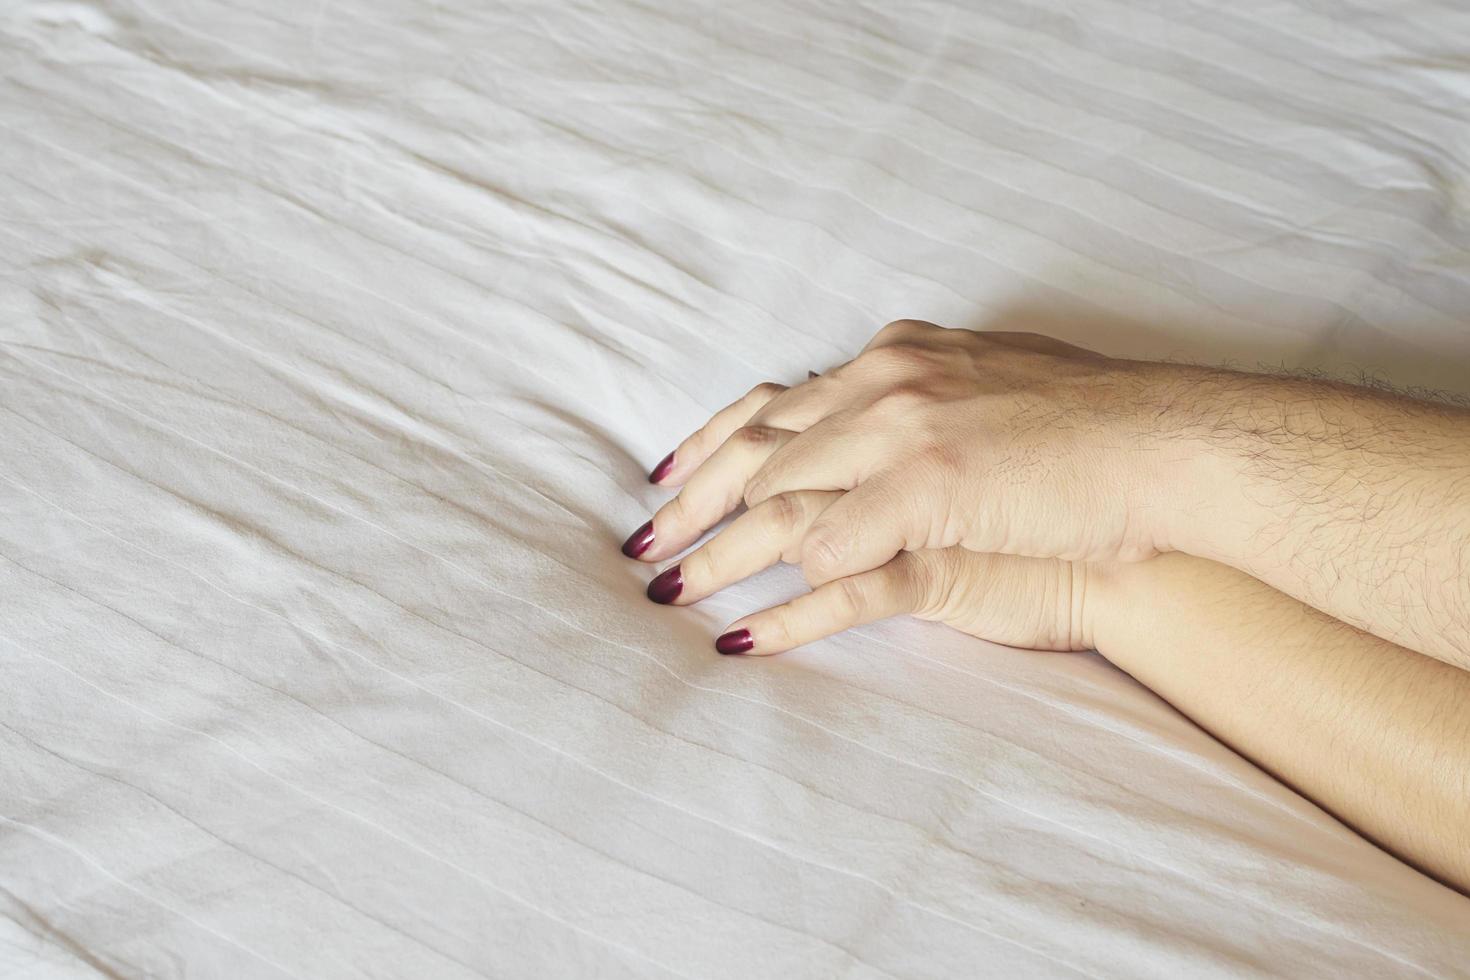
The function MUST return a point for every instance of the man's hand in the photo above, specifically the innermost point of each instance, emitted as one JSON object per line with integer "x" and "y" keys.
{"x": 1354, "y": 501}
{"x": 1009, "y": 443}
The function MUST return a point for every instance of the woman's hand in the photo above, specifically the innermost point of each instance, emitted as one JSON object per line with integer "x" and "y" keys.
{"x": 1000, "y": 443}
{"x": 1375, "y": 733}
{"x": 1023, "y": 602}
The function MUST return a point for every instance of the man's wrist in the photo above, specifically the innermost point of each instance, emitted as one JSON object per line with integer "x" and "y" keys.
{"x": 1195, "y": 485}
{"x": 1348, "y": 499}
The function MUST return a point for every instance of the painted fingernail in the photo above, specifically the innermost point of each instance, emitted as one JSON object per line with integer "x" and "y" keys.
{"x": 735, "y": 641}
{"x": 663, "y": 469}
{"x": 666, "y": 586}
{"x": 639, "y": 540}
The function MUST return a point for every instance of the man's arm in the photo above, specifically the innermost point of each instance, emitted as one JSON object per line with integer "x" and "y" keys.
{"x": 1377, "y": 734}
{"x": 1353, "y": 500}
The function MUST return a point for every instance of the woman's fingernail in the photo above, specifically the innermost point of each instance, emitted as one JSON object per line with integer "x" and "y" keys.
{"x": 735, "y": 641}
{"x": 666, "y": 586}
{"x": 639, "y": 540}
{"x": 663, "y": 468}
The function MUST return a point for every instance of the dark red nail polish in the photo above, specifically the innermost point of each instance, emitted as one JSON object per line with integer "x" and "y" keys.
{"x": 663, "y": 468}
{"x": 666, "y": 586}
{"x": 735, "y": 641}
{"x": 639, "y": 540}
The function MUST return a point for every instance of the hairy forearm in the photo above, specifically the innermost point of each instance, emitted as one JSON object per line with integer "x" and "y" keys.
{"x": 1355, "y": 501}
{"x": 1375, "y": 733}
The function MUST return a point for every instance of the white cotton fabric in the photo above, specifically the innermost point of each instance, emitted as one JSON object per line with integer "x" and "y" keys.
{"x": 335, "y": 343}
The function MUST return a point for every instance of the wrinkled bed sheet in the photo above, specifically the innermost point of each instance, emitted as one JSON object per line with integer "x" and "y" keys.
{"x": 335, "y": 342}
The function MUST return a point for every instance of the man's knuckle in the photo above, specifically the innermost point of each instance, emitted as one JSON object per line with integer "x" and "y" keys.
{"x": 902, "y": 399}
{"x": 755, "y": 436}
{"x": 905, "y": 326}
{"x": 934, "y": 458}
{"x": 785, "y": 513}
{"x": 820, "y": 551}
{"x": 851, "y": 596}
{"x": 895, "y": 358}
{"x": 757, "y": 490}
{"x": 888, "y": 331}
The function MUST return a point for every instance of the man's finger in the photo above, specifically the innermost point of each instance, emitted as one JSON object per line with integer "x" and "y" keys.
{"x": 901, "y": 586}
{"x": 835, "y": 454}
{"x": 803, "y": 406}
{"x": 715, "y": 489}
{"x": 678, "y": 465}
{"x": 757, "y": 539}
{"x": 871, "y": 524}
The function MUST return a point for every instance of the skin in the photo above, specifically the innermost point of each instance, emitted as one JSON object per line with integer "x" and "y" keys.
{"x": 1287, "y": 561}
{"x": 1374, "y": 733}
{"x": 1354, "y": 501}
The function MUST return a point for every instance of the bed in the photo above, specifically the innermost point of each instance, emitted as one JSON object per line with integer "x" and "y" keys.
{"x": 336, "y": 341}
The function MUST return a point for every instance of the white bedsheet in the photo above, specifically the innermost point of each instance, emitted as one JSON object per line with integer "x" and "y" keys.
{"x": 335, "y": 342}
